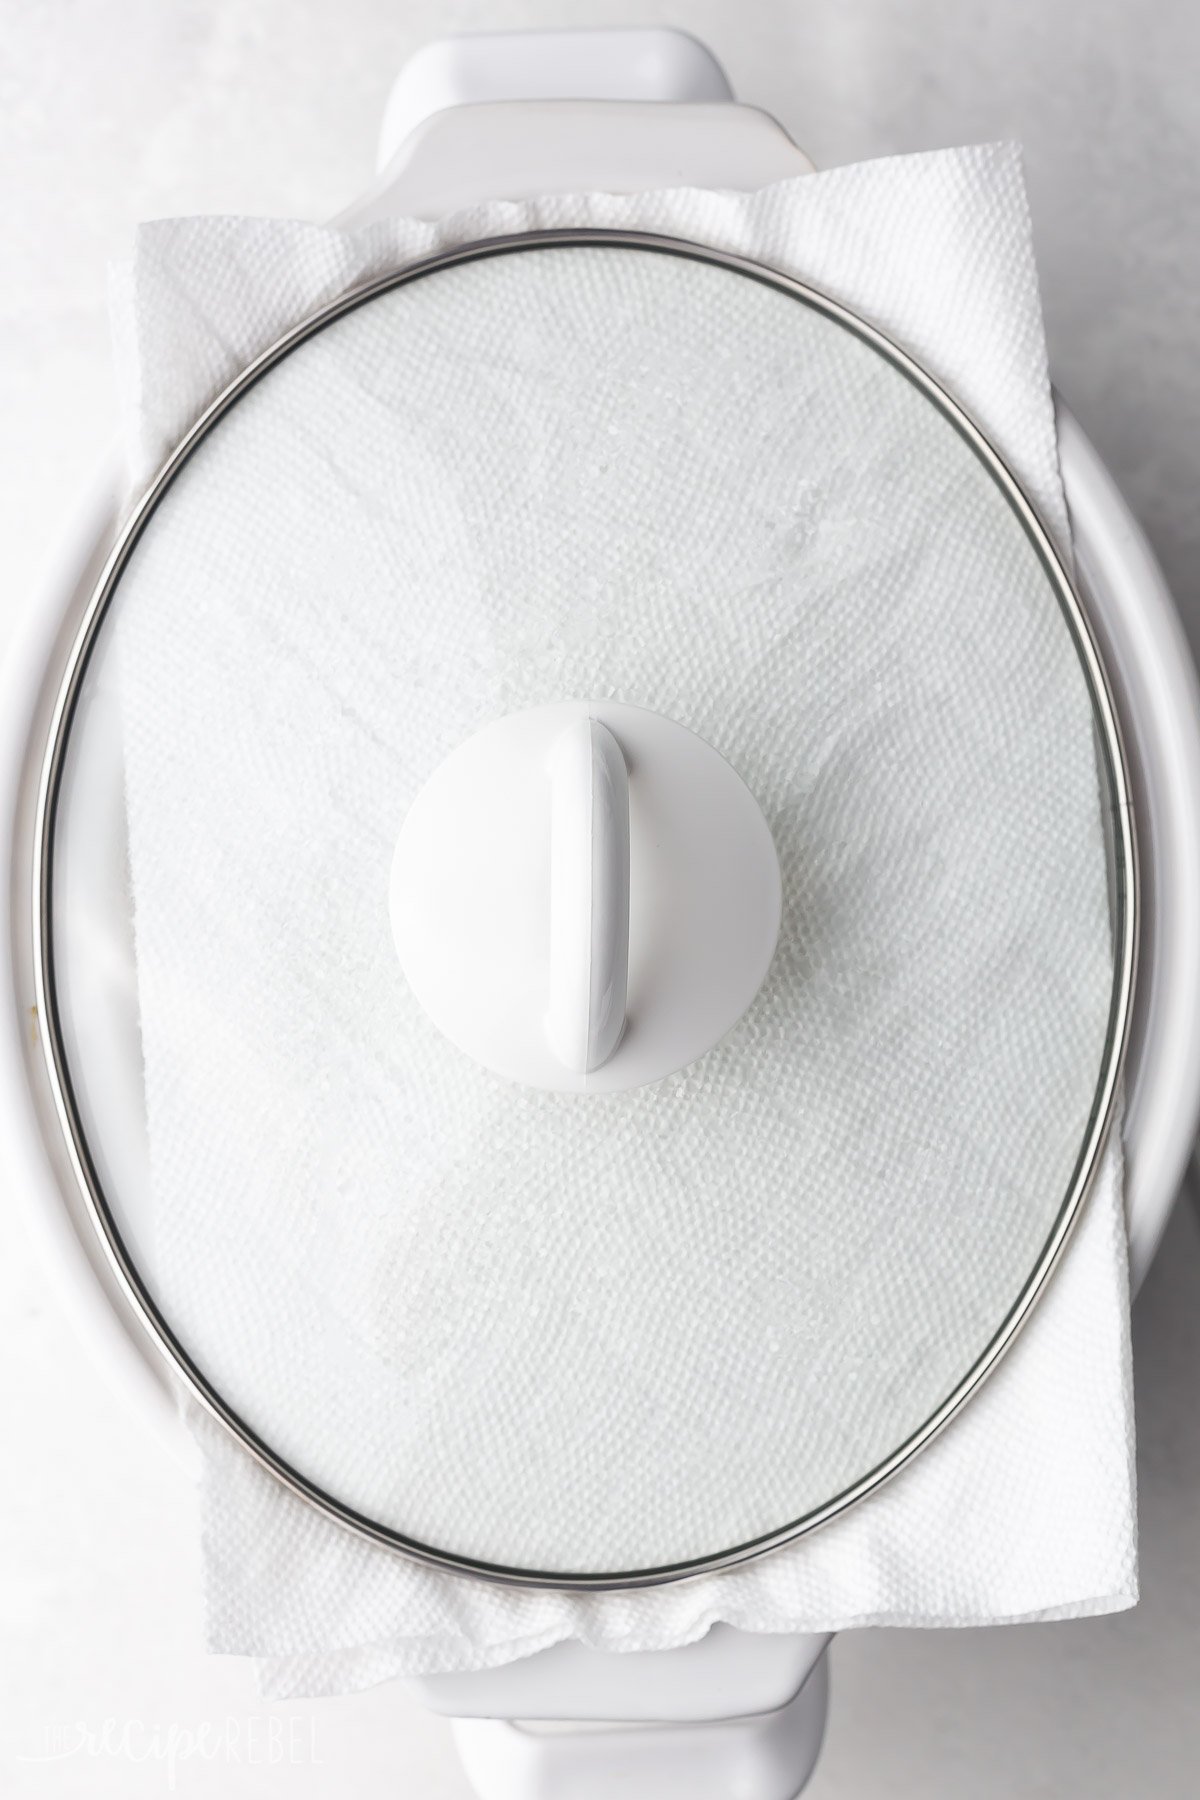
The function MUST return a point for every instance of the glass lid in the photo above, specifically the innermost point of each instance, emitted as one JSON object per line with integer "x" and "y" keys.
{"x": 585, "y": 903}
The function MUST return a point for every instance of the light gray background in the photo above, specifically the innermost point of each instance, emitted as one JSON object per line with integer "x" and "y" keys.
{"x": 135, "y": 108}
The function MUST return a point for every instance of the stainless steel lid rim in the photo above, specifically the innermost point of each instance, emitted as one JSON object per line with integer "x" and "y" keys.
{"x": 59, "y": 1074}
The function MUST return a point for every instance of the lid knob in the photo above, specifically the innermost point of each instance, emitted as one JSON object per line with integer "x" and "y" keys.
{"x": 585, "y": 896}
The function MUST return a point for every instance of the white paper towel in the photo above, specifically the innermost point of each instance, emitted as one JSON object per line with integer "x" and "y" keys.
{"x": 1026, "y": 1506}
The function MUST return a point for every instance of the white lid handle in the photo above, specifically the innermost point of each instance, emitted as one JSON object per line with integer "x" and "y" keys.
{"x": 589, "y": 895}
{"x": 574, "y": 863}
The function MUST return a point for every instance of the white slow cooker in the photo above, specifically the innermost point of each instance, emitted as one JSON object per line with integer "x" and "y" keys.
{"x": 472, "y": 120}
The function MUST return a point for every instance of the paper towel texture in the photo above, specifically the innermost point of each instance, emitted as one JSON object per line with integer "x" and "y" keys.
{"x": 626, "y": 1375}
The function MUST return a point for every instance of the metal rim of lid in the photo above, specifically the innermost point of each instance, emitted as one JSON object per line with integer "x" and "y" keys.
{"x": 1123, "y": 855}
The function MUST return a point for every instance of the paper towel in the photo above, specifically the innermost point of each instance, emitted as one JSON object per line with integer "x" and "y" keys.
{"x": 979, "y": 1527}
